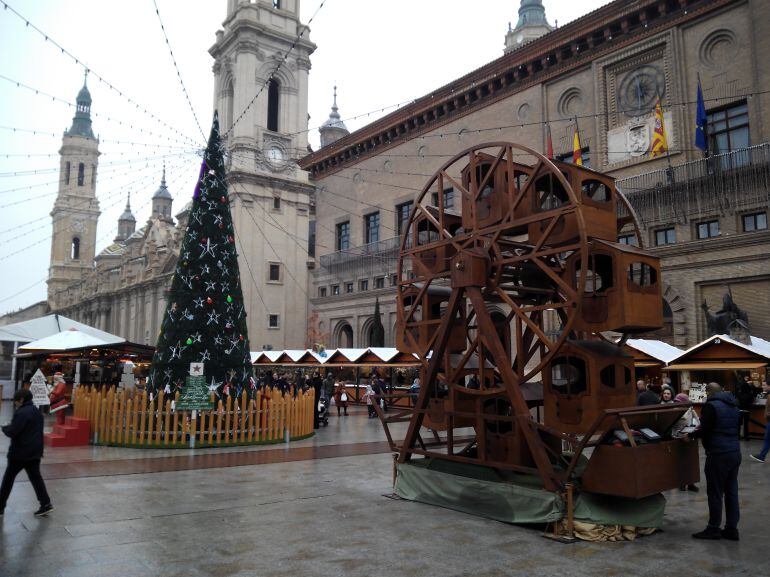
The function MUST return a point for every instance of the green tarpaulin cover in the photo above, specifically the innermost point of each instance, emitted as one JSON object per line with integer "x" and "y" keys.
{"x": 514, "y": 498}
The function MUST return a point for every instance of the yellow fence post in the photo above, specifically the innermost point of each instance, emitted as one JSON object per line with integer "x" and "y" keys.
{"x": 220, "y": 410}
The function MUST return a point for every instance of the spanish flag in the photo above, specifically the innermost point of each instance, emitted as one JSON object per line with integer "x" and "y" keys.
{"x": 659, "y": 145}
{"x": 577, "y": 150}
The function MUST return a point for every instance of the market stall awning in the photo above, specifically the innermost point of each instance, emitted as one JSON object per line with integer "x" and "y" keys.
{"x": 722, "y": 352}
{"x": 373, "y": 356}
{"x": 651, "y": 353}
{"x": 69, "y": 340}
{"x": 35, "y": 329}
{"x": 717, "y": 366}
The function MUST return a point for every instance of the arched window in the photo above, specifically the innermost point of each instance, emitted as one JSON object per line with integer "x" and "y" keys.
{"x": 93, "y": 175}
{"x": 81, "y": 174}
{"x": 67, "y": 172}
{"x": 344, "y": 338}
{"x": 75, "y": 251}
{"x": 273, "y": 89}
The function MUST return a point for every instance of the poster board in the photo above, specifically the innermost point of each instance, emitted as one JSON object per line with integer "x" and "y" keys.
{"x": 39, "y": 389}
{"x": 195, "y": 396}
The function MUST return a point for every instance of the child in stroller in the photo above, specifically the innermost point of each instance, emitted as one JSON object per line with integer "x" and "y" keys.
{"x": 323, "y": 411}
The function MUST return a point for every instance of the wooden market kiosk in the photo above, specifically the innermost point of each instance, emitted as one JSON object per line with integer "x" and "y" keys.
{"x": 93, "y": 365}
{"x": 348, "y": 365}
{"x": 724, "y": 360}
{"x": 84, "y": 358}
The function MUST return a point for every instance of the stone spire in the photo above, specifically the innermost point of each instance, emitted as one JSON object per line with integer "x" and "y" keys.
{"x": 532, "y": 24}
{"x": 333, "y": 129}
{"x": 126, "y": 222}
{"x": 162, "y": 199}
{"x": 81, "y": 122}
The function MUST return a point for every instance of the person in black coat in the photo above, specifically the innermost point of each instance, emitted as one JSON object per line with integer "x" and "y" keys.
{"x": 317, "y": 383}
{"x": 745, "y": 392}
{"x": 719, "y": 431}
{"x": 645, "y": 395}
{"x": 25, "y": 452}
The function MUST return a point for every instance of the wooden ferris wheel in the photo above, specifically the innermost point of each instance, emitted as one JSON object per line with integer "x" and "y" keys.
{"x": 509, "y": 273}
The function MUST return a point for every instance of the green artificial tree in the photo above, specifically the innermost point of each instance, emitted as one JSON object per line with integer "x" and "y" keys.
{"x": 205, "y": 320}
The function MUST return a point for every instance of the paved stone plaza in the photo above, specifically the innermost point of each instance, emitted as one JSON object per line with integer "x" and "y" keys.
{"x": 316, "y": 508}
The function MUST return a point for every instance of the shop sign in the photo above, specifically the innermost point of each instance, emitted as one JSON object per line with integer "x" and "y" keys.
{"x": 39, "y": 389}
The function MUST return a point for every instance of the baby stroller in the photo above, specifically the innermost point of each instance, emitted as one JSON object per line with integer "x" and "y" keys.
{"x": 323, "y": 412}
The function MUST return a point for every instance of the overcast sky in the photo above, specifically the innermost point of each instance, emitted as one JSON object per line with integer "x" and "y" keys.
{"x": 379, "y": 53}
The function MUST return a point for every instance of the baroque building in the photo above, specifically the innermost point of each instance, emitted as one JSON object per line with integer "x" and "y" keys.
{"x": 601, "y": 75}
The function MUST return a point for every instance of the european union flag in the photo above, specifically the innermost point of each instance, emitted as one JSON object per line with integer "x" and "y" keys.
{"x": 700, "y": 122}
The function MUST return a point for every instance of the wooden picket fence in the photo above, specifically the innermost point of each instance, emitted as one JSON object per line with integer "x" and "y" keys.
{"x": 130, "y": 419}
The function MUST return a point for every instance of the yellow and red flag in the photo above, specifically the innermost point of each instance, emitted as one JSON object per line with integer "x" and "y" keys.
{"x": 577, "y": 149}
{"x": 659, "y": 145}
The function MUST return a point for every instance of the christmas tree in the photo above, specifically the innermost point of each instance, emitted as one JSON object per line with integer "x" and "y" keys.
{"x": 205, "y": 321}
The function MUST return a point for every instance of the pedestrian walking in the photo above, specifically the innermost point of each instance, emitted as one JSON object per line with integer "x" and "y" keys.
{"x": 25, "y": 452}
{"x": 719, "y": 432}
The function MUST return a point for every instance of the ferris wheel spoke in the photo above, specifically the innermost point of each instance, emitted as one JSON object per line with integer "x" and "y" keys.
{"x": 558, "y": 280}
{"x": 456, "y": 185}
{"x": 524, "y": 191}
{"x": 521, "y": 316}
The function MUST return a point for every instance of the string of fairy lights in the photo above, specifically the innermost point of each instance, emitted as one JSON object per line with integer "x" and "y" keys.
{"x": 78, "y": 203}
{"x": 180, "y": 146}
{"x": 118, "y": 196}
{"x": 176, "y": 176}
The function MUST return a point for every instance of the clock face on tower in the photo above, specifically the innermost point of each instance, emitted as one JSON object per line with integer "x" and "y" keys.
{"x": 640, "y": 89}
{"x": 275, "y": 155}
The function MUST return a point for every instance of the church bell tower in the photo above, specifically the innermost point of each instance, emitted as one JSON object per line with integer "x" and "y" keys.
{"x": 261, "y": 66}
{"x": 76, "y": 210}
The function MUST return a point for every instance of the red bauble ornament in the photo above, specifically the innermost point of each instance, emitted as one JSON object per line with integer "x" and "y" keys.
{"x": 241, "y": 337}
{"x": 209, "y": 300}
{"x": 197, "y": 277}
{"x": 221, "y": 225}
{"x": 223, "y": 199}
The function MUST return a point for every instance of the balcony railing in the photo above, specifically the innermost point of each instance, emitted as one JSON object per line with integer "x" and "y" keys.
{"x": 720, "y": 184}
{"x": 374, "y": 259}
{"x": 723, "y": 183}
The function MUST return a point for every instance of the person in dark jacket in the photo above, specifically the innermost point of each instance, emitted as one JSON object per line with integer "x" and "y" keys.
{"x": 745, "y": 392}
{"x": 719, "y": 432}
{"x": 645, "y": 395}
{"x": 25, "y": 452}
{"x": 317, "y": 384}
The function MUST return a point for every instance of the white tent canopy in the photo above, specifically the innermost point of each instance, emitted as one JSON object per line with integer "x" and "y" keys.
{"x": 34, "y": 329}
{"x": 71, "y": 339}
